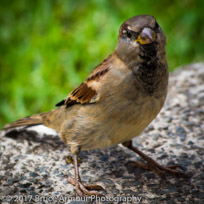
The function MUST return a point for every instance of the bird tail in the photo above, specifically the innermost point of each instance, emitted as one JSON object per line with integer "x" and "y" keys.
{"x": 38, "y": 119}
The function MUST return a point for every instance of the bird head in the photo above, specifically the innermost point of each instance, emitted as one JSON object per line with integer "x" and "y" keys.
{"x": 140, "y": 36}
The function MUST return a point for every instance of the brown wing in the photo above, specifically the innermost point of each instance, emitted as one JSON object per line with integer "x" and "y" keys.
{"x": 85, "y": 93}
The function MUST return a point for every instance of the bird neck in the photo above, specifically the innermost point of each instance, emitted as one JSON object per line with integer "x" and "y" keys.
{"x": 151, "y": 72}
{"x": 149, "y": 65}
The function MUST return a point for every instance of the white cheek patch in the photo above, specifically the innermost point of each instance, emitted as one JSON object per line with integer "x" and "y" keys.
{"x": 135, "y": 44}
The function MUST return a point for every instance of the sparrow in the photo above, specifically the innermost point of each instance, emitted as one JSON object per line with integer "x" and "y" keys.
{"x": 117, "y": 101}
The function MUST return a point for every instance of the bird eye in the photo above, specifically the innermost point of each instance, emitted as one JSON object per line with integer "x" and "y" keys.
{"x": 128, "y": 33}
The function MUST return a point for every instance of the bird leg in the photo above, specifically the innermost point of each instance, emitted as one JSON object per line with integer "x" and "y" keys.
{"x": 81, "y": 189}
{"x": 69, "y": 160}
{"x": 151, "y": 164}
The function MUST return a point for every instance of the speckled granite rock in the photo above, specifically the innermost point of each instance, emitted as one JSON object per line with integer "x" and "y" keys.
{"x": 33, "y": 167}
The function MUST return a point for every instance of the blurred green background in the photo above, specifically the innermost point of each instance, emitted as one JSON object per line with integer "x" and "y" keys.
{"x": 48, "y": 47}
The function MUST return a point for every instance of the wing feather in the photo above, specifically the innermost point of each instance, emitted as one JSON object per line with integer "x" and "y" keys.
{"x": 85, "y": 93}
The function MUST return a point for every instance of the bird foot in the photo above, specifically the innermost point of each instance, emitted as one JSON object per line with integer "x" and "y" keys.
{"x": 160, "y": 170}
{"x": 82, "y": 189}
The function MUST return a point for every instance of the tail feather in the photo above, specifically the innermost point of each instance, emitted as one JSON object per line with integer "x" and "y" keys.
{"x": 52, "y": 119}
{"x": 28, "y": 121}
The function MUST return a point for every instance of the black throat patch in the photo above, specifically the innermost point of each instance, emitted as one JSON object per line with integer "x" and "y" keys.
{"x": 148, "y": 69}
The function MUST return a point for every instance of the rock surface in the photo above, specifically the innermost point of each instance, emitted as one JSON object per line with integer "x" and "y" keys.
{"x": 33, "y": 167}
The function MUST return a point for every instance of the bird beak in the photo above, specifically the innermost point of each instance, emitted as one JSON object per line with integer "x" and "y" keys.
{"x": 147, "y": 36}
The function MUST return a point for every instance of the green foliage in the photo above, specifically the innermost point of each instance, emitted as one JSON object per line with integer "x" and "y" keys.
{"x": 48, "y": 47}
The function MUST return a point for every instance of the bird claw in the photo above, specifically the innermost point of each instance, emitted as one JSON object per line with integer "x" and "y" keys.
{"x": 82, "y": 189}
{"x": 160, "y": 170}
